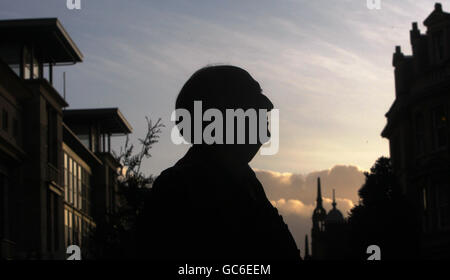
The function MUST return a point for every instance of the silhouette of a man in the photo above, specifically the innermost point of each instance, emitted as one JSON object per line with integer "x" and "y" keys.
{"x": 210, "y": 205}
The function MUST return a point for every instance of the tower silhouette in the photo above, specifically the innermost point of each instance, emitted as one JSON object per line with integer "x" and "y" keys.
{"x": 319, "y": 216}
{"x": 334, "y": 216}
{"x": 329, "y": 231}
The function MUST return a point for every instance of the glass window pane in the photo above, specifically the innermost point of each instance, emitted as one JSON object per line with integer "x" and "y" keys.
{"x": 70, "y": 240}
{"x": 66, "y": 227}
{"x": 75, "y": 170}
{"x": 70, "y": 180}
{"x": 27, "y": 64}
{"x": 35, "y": 68}
{"x": 65, "y": 184}
{"x": 79, "y": 193}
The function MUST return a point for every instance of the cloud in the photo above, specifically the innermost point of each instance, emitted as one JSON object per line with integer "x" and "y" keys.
{"x": 294, "y": 195}
{"x": 293, "y": 206}
{"x": 345, "y": 179}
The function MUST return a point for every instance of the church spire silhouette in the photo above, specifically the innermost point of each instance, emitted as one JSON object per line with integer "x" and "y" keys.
{"x": 319, "y": 213}
{"x": 318, "y": 219}
{"x": 319, "y": 194}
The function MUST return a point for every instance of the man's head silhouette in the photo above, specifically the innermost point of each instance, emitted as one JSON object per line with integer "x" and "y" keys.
{"x": 217, "y": 201}
{"x": 225, "y": 87}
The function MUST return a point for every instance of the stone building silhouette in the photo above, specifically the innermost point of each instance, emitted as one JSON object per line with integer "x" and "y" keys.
{"x": 57, "y": 174}
{"x": 328, "y": 234}
{"x": 418, "y": 131}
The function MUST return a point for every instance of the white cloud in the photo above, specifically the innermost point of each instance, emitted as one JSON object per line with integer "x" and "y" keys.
{"x": 293, "y": 206}
{"x": 294, "y": 195}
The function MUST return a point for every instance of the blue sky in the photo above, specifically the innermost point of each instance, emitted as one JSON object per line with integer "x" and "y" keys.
{"x": 325, "y": 64}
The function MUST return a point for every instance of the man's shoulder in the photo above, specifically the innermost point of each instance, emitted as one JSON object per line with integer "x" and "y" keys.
{"x": 179, "y": 179}
{"x": 171, "y": 178}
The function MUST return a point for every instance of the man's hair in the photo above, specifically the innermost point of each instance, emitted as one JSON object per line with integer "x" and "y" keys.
{"x": 222, "y": 87}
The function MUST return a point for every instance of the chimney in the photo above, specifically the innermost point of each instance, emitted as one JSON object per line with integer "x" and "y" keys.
{"x": 414, "y": 36}
{"x": 398, "y": 56}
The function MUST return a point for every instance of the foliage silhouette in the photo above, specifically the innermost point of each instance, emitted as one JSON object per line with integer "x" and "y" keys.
{"x": 384, "y": 217}
{"x": 115, "y": 238}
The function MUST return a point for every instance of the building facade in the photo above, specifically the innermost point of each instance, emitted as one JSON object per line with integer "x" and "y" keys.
{"x": 55, "y": 186}
{"x": 418, "y": 131}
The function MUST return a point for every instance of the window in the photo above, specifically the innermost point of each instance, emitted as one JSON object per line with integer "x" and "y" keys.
{"x": 77, "y": 195}
{"x": 79, "y": 230}
{"x": 66, "y": 228}
{"x": 83, "y": 191}
{"x": 420, "y": 134}
{"x": 47, "y": 72}
{"x": 94, "y": 143}
{"x": 79, "y": 187}
{"x": 26, "y": 63}
{"x": 5, "y": 120}
{"x": 75, "y": 184}
{"x": 35, "y": 68}
{"x": 52, "y": 140}
{"x": 438, "y": 45}
{"x": 439, "y": 118}
{"x": 70, "y": 181}
{"x": 70, "y": 228}
{"x": 66, "y": 176}
{"x": 75, "y": 229}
